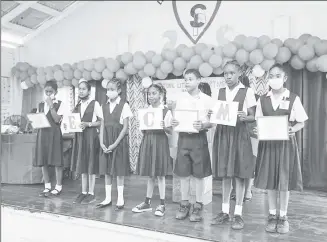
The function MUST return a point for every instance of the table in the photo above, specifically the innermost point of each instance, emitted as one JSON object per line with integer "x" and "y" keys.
{"x": 17, "y": 155}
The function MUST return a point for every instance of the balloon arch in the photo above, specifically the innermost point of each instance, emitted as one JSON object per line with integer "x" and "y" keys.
{"x": 261, "y": 53}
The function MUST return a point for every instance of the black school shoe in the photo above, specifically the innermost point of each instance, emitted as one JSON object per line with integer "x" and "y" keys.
{"x": 221, "y": 218}
{"x": 45, "y": 193}
{"x": 183, "y": 211}
{"x": 283, "y": 227}
{"x": 238, "y": 222}
{"x": 88, "y": 199}
{"x": 196, "y": 215}
{"x": 271, "y": 226}
{"x": 80, "y": 198}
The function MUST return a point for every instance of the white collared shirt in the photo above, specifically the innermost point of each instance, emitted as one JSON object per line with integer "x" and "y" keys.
{"x": 61, "y": 110}
{"x": 126, "y": 112}
{"x": 298, "y": 113}
{"x": 249, "y": 101}
{"x": 97, "y": 112}
{"x": 168, "y": 117}
{"x": 202, "y": 103}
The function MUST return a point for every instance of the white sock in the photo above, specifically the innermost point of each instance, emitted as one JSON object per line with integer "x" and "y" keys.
{"x": 47, "y": 186}
{"x": 108, "y": 195}
{"x": 92, "y": 193}
{"x": 84, "y": 193}
{"x": 272, "y": 211}
{"x": 58, "y": 188}
{"x": 238, "y": 210}
{"x": 282, "y": 213}
{"x": 225, "y": 208}
{"x": 120, "y": 200}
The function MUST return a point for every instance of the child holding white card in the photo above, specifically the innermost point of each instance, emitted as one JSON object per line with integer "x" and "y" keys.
{"x": 232, "y": 151}
{"x": 49, "y": 143}
{"x": 86, "y": 145}
{"x": 114, "y": 142}
{"x": 154, "y": 155}
{"x": 193, "y": 157}
{"x": 278, "y": 167}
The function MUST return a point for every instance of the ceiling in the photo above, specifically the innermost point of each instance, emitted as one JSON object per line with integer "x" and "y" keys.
{"x": 21, "y": 21}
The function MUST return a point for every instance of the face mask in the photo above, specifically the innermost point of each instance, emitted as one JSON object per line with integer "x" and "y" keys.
{"x": 276, "y": 83}
{"x": 112, "y": 94}
{"x": 52, "y": 96}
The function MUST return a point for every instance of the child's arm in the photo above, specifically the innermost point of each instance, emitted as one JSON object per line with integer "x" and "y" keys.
{"x": 120, "y": 136}
{"x": 298, "y": 115}
{"x": 56, "y": 116}
{"x": 97, "y": 112}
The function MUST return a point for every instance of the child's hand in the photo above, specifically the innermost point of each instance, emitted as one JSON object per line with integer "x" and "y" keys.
{"x": 162, "y": 124}
{"x": 103, "y": 147}
{"x": 111, "y": 148}
{"x": 291, "y": 131}
{"x": 255, "y": 131}
{"x": 48, "y": 100}
{"x": 241, "y": 115}
{"x": 83, "y": 125}
{"x": 65, "y": 126}
{"x": 198, "y": 125}
{"x": 174, "y": 123}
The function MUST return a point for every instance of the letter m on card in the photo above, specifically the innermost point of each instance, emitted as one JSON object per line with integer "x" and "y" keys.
{"x": 225, "y": 113}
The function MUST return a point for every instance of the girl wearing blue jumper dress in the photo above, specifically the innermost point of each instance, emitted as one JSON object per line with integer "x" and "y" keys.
{"x": 114, "y": 142}
{"x": 154, "y": 155}
{"x": 86, "y": 145}
{"x": 278, "y": 167}
{"x": 49, "y": 144}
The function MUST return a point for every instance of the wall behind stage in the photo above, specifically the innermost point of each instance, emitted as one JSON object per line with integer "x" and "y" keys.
{"x": 120, "y": 26}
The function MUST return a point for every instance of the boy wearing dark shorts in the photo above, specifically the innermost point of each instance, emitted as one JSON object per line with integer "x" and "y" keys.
{"x": 193, "y": 158}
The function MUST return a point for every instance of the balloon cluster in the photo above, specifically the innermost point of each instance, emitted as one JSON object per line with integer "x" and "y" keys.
{"x": 261, "y": 53}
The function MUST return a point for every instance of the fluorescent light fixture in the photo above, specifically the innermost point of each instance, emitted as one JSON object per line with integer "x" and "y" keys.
{"x": 11, "y": 38}
{"x": 8, "y": 45}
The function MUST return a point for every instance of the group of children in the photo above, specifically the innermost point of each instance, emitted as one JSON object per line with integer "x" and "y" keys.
{"x": 276, "y": 167}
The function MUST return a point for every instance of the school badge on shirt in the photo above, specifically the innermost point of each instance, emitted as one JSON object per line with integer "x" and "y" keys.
{"x": 195, "y": 17}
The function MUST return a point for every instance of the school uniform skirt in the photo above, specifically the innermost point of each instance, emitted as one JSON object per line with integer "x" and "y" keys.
{"x": 154, "y": 154}
{"x": 278, "y": 166}
{"x": 85, "y": 153}
{"x": 115, "y": 163}
{"x": 232, "y": 154}
{"x": 49, "y": 147}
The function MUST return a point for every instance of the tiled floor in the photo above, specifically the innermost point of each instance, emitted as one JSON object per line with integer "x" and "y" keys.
{"x": 307, "y": 212}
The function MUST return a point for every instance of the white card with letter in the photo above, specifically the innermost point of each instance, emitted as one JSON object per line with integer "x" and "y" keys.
{"x": 150, "y": 118}
{"x": 224, "y": 113}
{"x": 72, "y": 123}
{"x": 273, "y": 128}
{"x": 186, "y": 118}
{"x": 38, "y": 120}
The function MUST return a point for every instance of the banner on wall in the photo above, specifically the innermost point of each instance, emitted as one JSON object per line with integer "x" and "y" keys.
{"x": 175, "y": 86}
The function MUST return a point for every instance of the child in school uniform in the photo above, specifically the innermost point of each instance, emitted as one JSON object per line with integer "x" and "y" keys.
{"x": 154, "y": 155}
{"x": 232, "y": 151}
{"x": 49, "y": 143}
{"x": 86, "y": 145}
{"x": 278, "y": 167}
{"x": 193, "y": 158}
{"x": 114, "y": 142}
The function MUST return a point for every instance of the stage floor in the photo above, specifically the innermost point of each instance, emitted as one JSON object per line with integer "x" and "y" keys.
{"x": 307, "y": 212}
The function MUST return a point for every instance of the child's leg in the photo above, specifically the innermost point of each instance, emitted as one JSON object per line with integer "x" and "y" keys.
{"x": 59, "y": 173}
{"x": 272, "y": 201}
{"x": 149, "y": 189}
{"x": 91, "y": 184}
{"x": 84, "y": 183}
{"x": 120, "y": 188}
{"x": 284, "y": 197}
{"x": 233, "y": 192}
{"x": 240, "y": 189}
{"x": 248, "y": 188}
{"x": 185, "y": 188}
{"x": 227, "y": 188}
{"x": 46, "y": 178}
{"x": 108, "y": 184}
{"x": 162, "y": 189}
{"x": 199, "y": 190}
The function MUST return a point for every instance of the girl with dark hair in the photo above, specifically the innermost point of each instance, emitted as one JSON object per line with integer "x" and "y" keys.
{"x": 278, "y": 167}
{"x": 114, "y": 161}
{"x": 49, "y": 143}
{"x": 232, "y": 153}
{"x": 205, "y": 88}
{"x": 154, "y": 155}
{"x": 86, "y": 146}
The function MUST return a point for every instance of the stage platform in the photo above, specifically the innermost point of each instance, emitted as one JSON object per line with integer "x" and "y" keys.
{"x": 307, "y": 212}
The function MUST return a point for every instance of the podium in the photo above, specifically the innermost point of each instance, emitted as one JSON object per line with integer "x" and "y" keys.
{"x": 17, "y": 155}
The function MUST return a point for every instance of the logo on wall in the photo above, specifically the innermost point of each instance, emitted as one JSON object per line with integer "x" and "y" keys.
{"x": 195, "y": 18}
